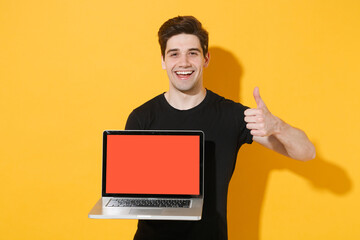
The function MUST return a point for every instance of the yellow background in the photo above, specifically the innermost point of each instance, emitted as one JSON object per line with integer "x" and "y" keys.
{"x": 70, "y": 69}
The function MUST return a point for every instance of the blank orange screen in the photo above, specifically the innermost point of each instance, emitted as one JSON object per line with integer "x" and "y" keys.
{"x": 153, "y": 164}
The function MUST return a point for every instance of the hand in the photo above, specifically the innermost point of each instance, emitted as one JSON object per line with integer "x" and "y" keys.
{"x": 260, "y": 120}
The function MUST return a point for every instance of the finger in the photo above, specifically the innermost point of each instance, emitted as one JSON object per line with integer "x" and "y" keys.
{"x": 253, "y": 112}
{"x": 259, "y": 102}
{"x": 255, "y": 126}
{"x": 259, "y": 133}
{"x": 251, "y": 119}
{"x": 251, "y": 126}
{"x": 254, "y": 119}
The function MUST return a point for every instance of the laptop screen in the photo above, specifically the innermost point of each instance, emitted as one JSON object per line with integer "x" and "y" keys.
{"x": 152, "y": 163}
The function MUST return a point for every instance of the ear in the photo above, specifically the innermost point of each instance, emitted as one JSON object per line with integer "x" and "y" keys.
{"x": 207, "y": 59}
{"x": 162, "y": 62}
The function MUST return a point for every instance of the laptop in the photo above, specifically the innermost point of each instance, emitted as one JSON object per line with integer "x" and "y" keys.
{"x": 152, "y": 174}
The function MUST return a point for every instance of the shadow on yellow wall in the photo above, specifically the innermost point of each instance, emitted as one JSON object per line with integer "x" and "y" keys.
{"x": 255, "y": 163}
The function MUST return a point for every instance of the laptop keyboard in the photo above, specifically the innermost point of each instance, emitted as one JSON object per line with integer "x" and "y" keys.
{"x": 170, "y": 203}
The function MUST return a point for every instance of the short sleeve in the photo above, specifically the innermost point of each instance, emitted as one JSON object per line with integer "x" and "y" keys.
{"x": 244, "y": 133}
{"x": 133, "y": 122}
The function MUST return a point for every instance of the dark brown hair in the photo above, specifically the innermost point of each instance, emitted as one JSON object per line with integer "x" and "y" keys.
{"x": 183, "y": 24}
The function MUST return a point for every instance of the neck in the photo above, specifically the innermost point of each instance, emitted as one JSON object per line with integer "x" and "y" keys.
{"x": 183, "y": 100}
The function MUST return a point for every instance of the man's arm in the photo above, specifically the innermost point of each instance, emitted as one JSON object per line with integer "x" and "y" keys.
{"x": 275, "y": 134}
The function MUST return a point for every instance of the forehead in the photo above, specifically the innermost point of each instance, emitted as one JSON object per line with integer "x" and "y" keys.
{"x": 183, "y": 41}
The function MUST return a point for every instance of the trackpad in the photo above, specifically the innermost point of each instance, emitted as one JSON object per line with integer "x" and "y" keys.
{"x": 146, "y": 211}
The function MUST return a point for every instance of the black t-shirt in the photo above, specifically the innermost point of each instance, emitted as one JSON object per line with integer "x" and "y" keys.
{"x": 222, "y": 121}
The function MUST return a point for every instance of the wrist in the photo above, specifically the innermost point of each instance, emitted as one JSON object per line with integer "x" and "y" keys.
{"x": 280, "y": 126}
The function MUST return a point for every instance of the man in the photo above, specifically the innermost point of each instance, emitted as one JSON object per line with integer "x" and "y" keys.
{"x": 227, "y": 125}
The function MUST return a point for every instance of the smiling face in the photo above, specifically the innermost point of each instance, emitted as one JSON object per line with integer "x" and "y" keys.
{"x": 184, "y": 62}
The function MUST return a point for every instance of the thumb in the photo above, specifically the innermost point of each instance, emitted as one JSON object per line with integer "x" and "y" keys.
{"x": 259, "y": 102}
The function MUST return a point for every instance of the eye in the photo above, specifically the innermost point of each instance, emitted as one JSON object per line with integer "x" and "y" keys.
{"x": 193, "y": 53}
{"x": 173, "y": 54}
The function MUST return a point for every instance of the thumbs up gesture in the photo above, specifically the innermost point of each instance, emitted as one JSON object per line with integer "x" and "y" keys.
{"x": 260, "y": 120}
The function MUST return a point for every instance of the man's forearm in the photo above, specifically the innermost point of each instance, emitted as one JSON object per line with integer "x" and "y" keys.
{"x": 295, "y": 142}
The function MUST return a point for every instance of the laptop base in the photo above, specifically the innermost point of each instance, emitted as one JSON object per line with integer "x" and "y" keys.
{"x": 99, "y": 211}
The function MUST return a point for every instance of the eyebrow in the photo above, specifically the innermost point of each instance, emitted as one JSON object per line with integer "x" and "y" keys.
{"x": 176, "y": 49}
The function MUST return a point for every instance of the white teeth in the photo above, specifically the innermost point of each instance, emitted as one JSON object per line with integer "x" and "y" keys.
{"x": 183, "y": 73}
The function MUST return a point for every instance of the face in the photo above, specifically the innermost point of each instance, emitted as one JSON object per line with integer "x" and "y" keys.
{"x": 184, "y": 62}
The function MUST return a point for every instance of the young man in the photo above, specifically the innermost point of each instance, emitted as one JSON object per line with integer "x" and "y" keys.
{"x": 227, "y": 125}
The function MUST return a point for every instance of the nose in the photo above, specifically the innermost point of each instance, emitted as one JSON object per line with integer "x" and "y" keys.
{"x": 184, "y": 61}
